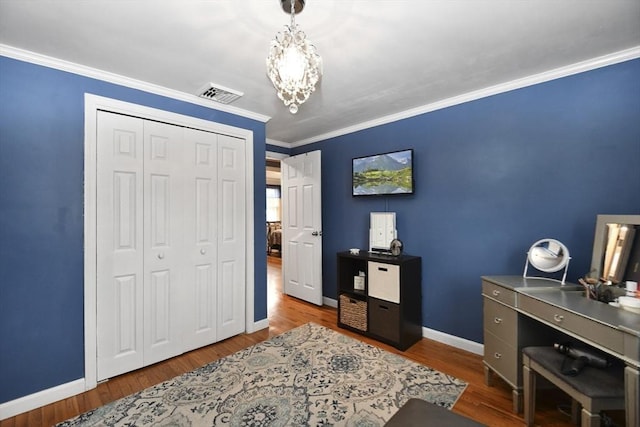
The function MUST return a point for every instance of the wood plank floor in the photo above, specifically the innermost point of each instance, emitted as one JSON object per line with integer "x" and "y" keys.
{"x": 488, "y": 405}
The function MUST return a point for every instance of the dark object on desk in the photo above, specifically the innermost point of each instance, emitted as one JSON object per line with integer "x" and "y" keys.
{"x": 578, "y": 358}
{"x": 420, "y": 413}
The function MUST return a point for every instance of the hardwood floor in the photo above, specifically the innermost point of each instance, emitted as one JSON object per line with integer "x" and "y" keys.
{"x": 488, "y": 405}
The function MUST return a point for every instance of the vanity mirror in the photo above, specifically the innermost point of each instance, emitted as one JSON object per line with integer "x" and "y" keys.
{"x": 548, "y": 256}
{"x": 616, "y": 249}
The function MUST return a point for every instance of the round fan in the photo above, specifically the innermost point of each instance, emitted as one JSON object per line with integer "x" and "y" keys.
{"x": 396, "y": 247}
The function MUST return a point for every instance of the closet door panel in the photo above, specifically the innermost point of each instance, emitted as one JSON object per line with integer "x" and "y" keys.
{"x": 201, "y": 234}
{"x": 231, "y": 241}
{"x": 163, "y": 241}
{"x": 119, "y": 281}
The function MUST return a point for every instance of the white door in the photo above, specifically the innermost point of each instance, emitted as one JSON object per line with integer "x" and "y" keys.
{"x": 302, "y": 227}
{"x": 119, "y": 267}
{"x": 231, "y": 209}
{"x": 164, "y": 255}
{"x": 171, "y": 233}
{"x": 201, "y": 235}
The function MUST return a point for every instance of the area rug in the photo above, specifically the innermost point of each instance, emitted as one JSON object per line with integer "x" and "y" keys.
{"x": 310, "y": 375}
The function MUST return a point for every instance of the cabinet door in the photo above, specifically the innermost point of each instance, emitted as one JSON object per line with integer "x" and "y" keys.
{"x": 384, "y": 281}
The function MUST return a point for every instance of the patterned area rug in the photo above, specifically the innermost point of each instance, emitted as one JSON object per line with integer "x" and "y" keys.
{"x": 309, "y": 375}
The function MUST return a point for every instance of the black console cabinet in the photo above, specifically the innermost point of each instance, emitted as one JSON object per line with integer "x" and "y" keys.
{"x": 389, "y": 308}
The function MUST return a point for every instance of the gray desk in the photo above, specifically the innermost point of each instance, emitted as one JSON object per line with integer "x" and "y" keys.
{"x": 515, "y": 310}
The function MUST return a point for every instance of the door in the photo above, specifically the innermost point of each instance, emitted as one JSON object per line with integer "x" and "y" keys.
{"x": 302, "y": 227}
{"x": 120, "y": 252}
{"x": 164, "y": 254}
{"x": 231, "y": 210}
{"x": 171, "y": 233}
{"x": 201, "y": 236}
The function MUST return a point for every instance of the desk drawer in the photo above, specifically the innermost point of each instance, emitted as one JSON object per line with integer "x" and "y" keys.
{"x": 500, "y": 320}
{"x": 502, "y": 357}
{"x": 498, "y": 293}
{"x": 585, "y": 328}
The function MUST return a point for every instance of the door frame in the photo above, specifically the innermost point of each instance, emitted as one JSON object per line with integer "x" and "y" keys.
{"x": 93, "y": 103}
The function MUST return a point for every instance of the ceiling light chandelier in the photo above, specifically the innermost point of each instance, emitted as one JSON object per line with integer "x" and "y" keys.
{"x": 293, "y": 65}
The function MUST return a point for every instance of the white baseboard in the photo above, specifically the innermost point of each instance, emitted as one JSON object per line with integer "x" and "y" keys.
{"x": 330, "y": 302}
{"x": 41, "y": 398}
{"x": 454, "y": 341}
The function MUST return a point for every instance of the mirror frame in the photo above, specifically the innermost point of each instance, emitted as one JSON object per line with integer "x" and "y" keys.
{"x": 562, "y": 261}
{"x": 382, "y": 225}
{"x": 599, "y": 239}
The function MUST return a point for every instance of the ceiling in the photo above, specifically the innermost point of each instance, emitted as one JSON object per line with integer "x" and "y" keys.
{"x": 381, "y": 57}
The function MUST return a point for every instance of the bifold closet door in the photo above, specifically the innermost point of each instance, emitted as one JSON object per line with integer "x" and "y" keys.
{"x": 171, "y": 241}
{"x": 120, "y": 249}
{"x": 215, "y": 237}
{"x": 140, "y": 251}
{"x": 165, "y": 260}
{"x": 231, "y": 239}
{"x": 201, "y": 235}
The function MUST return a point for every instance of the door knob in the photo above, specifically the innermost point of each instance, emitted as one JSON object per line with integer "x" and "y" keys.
{"x": 160, "y": 255}
{"x": 317, "y": 233}
{"x": 203, "y": 251}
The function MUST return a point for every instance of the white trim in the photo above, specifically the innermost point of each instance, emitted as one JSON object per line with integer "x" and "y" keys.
{"x": 274, "y": 155}
{"x": 454, "y": 341}
{"x": 258, "y": 325}
{"x": 330, "y": 302}
{"x": 93, "y": 103}
{"x": 580, "y": 67}
{"x": 81, "y": 70}
{"x": 278, "y": 143}
{"x": 44, "y": 397}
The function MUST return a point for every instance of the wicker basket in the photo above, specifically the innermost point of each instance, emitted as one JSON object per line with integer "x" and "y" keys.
{"x": 353, "y": 312}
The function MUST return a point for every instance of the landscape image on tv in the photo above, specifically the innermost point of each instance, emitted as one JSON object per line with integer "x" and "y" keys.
{"x": 389, "y": 173}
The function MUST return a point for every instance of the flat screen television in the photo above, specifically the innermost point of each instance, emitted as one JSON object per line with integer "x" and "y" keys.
{"x": 383, "y": 174}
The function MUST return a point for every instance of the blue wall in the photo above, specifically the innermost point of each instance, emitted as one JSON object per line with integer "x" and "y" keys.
{"x": 41, "y": 219}
{"x": 492, "y": 177}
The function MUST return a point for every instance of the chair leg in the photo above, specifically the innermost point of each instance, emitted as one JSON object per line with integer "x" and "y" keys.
{"x": 529, "y": 385}
{"x": 589, "y": 419}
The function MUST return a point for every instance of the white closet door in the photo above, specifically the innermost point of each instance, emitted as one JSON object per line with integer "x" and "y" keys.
{"x": 231, "y": 236}
{"x": 200, "y": 237}
{"x": 164, "y": 255}
{"x": 119, "y": 266}
{"x": 171, "y": 235}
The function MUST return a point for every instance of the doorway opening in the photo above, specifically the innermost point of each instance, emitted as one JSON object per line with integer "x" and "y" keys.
{"x": 273, "y": 237}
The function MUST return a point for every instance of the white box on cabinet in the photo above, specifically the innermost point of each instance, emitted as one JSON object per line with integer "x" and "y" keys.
{"x": 384, "y": 281}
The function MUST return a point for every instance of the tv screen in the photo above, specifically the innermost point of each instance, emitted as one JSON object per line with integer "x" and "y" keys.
{"x": 383, "y": 174}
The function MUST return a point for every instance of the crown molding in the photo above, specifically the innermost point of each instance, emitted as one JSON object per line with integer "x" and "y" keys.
{"x": 580, "y": 67}
{"x": 59, "y": 64}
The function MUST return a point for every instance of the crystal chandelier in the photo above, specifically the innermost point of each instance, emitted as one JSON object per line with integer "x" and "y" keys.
{"x": 293, "y": 65}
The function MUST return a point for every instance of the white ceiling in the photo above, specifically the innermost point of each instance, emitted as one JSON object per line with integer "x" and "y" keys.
{"x": 381, "y": 57}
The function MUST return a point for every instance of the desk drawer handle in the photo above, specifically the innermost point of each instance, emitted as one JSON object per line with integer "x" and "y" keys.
{"x": 497, "y": 320}
{"x": 496, "y": 292}
{"x": 497, "y": 355}
{"x": 558, "y": 318}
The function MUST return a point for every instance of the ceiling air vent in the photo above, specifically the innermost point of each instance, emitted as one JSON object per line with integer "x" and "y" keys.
{"x": 218, "y": 93}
